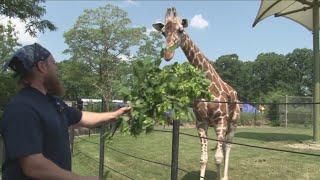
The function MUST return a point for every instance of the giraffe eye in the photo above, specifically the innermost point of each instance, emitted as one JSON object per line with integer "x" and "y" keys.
{"x": 180, "y": 30}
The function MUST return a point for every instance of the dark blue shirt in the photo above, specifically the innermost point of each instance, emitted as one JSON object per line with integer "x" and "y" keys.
{"x": 35, "y": 123}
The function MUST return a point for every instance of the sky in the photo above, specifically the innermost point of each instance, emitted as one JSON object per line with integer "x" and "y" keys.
{"x": 216, "y": 27}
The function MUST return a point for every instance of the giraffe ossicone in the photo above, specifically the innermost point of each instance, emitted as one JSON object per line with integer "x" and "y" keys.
{"x": 223, "y": 117}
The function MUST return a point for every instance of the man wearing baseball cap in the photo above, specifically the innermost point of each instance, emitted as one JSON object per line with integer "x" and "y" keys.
{"x": 35, "y": 122}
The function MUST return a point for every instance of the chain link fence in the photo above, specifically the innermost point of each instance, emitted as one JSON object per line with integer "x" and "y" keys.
{"x": 296, "y": 111}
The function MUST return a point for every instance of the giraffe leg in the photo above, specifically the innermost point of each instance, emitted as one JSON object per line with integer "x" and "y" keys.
{"x": 229, "y": 137}
{"x": 202, "y": 132}
{"x": 219, "y": 156}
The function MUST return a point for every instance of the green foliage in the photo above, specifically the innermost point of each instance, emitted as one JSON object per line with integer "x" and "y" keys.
{"x": 150, "y": 47}
{"x": 272, "y": 111}
{"x": 27, "y": 11}
{"x": 154, "y": 91}
{"x": 99, "y": 38}
{"x": 170, "y": 49}
{"x": 269, "y": 72}
{"x": 7, "y": 86}
{"x": 253, "y": 119}
{"x": 9, "y": 40}
{"x": 299, "y": 69}
{"x": 77, "y": 78}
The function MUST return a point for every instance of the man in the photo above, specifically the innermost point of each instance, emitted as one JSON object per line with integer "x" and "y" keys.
{"x": 35, "y": 122}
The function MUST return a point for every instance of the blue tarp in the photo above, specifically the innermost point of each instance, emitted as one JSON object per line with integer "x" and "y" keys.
{"x": 249, "y": 109}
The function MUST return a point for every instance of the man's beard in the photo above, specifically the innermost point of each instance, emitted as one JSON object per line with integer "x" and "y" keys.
{"x": 54, "y": 86}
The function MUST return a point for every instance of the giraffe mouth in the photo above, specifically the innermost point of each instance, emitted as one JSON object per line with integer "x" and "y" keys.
{"x": 168, "y": 55}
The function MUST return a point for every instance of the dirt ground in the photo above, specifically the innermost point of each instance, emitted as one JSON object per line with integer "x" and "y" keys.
{"x": 311, "y": 146}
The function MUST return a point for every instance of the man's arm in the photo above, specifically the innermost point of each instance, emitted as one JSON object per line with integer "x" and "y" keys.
{"x": 37, "y": 166}
{"x": 92, "y": 119}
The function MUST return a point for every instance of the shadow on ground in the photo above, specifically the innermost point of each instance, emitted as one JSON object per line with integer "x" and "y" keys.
{"x": 195, "y": 175}
{"x": 273, "y": 136}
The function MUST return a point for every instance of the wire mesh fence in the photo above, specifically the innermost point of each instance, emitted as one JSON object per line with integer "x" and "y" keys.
{"x": 297, "y": 111}
{"x": 255, "y": 114}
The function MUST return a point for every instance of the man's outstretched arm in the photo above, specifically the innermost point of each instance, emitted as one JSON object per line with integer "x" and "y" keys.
{"x": 92, "y": 119}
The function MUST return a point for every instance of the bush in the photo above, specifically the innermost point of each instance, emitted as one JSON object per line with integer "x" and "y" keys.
{"x": 272, "y": 111}
{"x": 252, "y": 119}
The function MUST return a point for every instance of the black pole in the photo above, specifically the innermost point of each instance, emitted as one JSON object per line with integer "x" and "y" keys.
{"x": 255, "y": 117}
{"x": 102, "y": 140}
{"x": 175, "y": 149}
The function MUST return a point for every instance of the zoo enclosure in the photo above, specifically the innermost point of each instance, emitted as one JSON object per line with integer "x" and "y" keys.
{"x": 175, "y": 140}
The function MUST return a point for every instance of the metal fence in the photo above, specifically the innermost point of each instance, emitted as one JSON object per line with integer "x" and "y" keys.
{"x": 301, "y": 105}
{"x": 296, "y": 111}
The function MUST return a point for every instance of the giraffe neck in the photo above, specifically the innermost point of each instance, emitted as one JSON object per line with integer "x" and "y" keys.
{"x": 196, "y": 58}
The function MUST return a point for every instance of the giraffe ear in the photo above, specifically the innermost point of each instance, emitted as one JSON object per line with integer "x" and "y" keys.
{"x": 184, "y": 23}
{"x": 158, "y": 26}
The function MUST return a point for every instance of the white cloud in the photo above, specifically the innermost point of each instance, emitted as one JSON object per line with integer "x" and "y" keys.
{"x": 198, "y": 22}
{"x": 131, "y": 2}
{"x": 23, "y": 37}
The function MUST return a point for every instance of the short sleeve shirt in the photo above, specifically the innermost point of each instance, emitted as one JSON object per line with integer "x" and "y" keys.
{"x": 35, "y": 123}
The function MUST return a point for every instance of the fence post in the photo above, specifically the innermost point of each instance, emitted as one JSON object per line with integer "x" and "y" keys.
{"x": 102, "y": 141}
{"x": 175, "y": 149}
{"x": 286, "y": 111}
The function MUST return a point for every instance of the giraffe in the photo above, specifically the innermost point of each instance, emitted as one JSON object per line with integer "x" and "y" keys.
{"x": 223, "y": 117}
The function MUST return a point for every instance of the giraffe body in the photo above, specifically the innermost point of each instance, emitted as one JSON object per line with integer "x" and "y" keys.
{"x": 223, "y": 117}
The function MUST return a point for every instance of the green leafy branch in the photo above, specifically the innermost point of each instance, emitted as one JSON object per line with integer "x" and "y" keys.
{"x": 153, "y": 91}
{"x": 170, "y": 49}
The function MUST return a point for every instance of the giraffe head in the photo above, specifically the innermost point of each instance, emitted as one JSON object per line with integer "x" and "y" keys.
{"x": 172, "y": 30}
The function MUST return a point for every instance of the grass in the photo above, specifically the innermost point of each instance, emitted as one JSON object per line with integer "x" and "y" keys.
{"x": 245, "y": 162}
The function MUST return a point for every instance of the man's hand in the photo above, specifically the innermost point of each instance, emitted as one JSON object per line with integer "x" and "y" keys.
{"x": 123, "y": 110}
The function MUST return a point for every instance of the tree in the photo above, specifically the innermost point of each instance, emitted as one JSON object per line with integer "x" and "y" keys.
{"x": 247, "y": 91}
{"x": 30, "y": 12}
{"x": 151, "y": 46}
{"x": 7, "y": 86}
{"x": 99, "y": 38}
{"x": 300, "y": 69}
{"x": 77, "y": 79}
{"x": 9, "y": 40}
{"x": 270, "y": 73}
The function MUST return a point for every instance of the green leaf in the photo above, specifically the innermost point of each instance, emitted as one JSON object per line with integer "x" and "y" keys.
{"x": 207, "y": 81}
{"x": 149, "y": 90}
{"x": 124, "y": 91}
{"x": 173, "y": 47}
{"x": 162, "y": 53}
